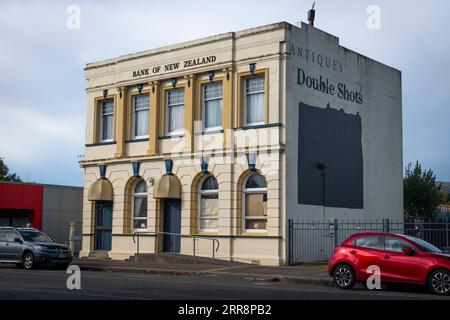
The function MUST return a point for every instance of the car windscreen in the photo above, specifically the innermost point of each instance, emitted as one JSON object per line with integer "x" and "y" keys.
{"x": 35, "y": 236}
{"x": 423, "y": 245}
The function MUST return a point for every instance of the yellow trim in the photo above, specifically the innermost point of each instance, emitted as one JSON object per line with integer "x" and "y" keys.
{"x": 121, "y": 122}
{"x": 97, "y": 101}
{"x": 227, "y": 107}
{"x": 153, "y": 138}
{"x": 241, "y": 91}
{"x": 189, "y": 109}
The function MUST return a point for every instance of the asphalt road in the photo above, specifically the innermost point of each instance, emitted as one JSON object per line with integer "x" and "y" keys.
{"x": 51, "y": 284}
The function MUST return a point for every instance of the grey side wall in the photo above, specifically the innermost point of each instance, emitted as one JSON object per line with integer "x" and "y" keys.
{"x": 61, "y": 206}
{"x": 379, "y": 108}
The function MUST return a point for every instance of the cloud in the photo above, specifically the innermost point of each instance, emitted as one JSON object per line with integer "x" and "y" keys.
{"x": 42, "y": 97}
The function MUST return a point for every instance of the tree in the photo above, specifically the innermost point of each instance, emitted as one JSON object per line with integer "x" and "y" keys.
{"x": 448, "y": 198}
{"x": 421, "y": 194}
{"x": 5, "y": 175}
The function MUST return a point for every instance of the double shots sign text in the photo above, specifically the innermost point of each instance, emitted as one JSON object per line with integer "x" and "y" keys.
{"x": 324, "y": 85}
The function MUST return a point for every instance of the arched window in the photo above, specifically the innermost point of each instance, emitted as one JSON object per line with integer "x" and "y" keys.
{"x": 139, "y": 205}
{"x": 254, "y": 203}
{"x": 208, "y": 209}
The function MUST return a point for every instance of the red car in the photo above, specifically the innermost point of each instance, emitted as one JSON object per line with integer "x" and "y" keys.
{"x": 401, "y": 259}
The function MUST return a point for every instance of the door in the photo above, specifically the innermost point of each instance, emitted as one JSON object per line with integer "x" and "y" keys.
{"x": 9, "y": 249}
{"x": 3, "y": 245}
{"x": 103, "y": 225}
{"x": 172, "y": 224}
{"x": 397, "y": 266}
{"x": 365, "y": 252}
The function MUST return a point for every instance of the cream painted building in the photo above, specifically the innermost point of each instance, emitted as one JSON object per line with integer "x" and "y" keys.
{"x": 204, "y": 139}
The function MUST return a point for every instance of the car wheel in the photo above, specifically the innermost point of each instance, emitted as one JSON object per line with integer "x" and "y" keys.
{"x": 344, "y": 276}
{"x": 439, "y": 282}
{"x": 28, "y": 261}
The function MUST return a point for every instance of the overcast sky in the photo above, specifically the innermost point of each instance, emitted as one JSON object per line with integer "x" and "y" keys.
{"x": 42, "y": 97}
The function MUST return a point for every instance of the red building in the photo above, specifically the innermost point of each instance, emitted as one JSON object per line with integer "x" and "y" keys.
{"x": 21, "y": 203}
{"x": 49, "y": 208}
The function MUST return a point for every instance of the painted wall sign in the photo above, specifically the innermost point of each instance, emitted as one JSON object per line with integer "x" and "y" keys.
{"x": 326, "y": 86}
{"x": 318, "y": 58}
{"x": 189, "y": 63}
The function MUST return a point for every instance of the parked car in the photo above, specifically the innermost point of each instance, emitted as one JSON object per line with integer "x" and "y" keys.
{"x": 401, "y": 259}
{"x": 28, "y": 247}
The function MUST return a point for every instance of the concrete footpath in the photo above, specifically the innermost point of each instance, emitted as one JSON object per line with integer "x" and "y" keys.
{"x": 308, "y": 274}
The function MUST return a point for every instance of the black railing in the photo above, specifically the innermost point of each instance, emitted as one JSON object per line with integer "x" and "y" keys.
{"x": 215, "y": 242}
{"x": 314, "y": 241}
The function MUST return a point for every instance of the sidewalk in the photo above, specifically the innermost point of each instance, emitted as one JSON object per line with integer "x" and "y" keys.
{"x": 309, "y": 274}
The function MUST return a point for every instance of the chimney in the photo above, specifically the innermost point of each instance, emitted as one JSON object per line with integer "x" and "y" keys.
{"x": 312, "y": 15}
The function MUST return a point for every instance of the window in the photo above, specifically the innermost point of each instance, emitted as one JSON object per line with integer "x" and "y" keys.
{"x": 254, "y": 100}
{"x": 395, "y": 244}
{"x": 141, "y": 108}
{"x": 208, "y": 215}
{"x": 255, "y": 203}
{"x": 175, "y": 111}
{"x": 368, "y": 242}
{"x": 139, "y": 205}
{"x": 106, "y": 120}
{"x": 212, "y": 106}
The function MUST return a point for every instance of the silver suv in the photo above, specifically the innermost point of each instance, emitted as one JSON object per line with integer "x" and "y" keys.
{"x": 28, "y": 247}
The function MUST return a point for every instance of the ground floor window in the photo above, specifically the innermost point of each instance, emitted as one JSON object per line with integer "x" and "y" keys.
{"x": 139, "y": 205}
{"x": 208, "y": 214}
{"x": 255, "y": 203}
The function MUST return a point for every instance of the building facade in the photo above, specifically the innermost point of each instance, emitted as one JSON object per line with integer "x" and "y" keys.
{"x": 205, "y": 139}
{"x": 50, "y": 208}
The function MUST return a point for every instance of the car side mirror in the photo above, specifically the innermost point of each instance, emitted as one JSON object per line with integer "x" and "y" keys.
{"x": 408, "y": 251}
{"x": 18, "y": 240}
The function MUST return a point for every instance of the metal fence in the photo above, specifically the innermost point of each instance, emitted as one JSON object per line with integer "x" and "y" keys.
{"x": 314, "y": 241}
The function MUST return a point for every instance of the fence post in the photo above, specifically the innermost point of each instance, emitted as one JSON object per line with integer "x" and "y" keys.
{"x": 72, "y": 228}
{"x": 290, "y": 233}
{"x": 446, "y": 231}
{"x": 386, "y": 226}
{"x": 336, "y": 236}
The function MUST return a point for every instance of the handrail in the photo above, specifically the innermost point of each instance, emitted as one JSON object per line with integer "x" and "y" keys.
{"x": 194, "y": 237}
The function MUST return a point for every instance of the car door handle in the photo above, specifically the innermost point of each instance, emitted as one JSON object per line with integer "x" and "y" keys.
{"x": 387, "y": 257}
{"x": 353, "y": 252}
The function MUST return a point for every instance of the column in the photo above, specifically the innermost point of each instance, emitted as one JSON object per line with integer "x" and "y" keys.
{"x": 121, "y": 122}
{"x": 227, "y": 107}
{"x": 153, "y": 121}
{"x": 189, "y": 103}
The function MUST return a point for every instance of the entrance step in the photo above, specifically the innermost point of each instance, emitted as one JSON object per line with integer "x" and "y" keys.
{"x": 171, "y": 258}
{"x": 98, "y": 255}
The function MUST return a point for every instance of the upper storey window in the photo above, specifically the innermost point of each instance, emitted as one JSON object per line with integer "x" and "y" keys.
{"x": 254, "y": 101}
{"x": 175, "y": 111}
{"x": 212, "y": 106}
{"x": 106, "y": 120}
{"x": 141, "y": 107}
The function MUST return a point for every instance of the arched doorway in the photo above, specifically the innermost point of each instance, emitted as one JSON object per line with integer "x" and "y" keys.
{"x": 168, "y": 190}
{"x": 101, "y": 194}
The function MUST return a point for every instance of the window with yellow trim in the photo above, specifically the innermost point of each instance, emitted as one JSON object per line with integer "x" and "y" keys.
{"x": 175, "y": 111}
{"x": 106, "y": 121}
{"x": 212, "y": 98}
{"x": 254, "y": 100}
{"x": 141, "y": 107}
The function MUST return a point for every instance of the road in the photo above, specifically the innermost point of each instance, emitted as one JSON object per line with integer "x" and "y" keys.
{"x": 51, "y": 284}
